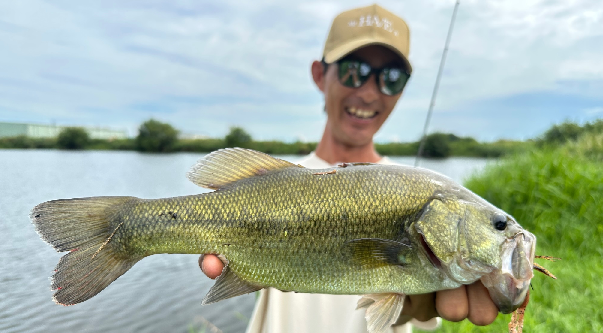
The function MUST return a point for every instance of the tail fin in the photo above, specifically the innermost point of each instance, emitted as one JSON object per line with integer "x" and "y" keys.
{"x": 84, "y": 227}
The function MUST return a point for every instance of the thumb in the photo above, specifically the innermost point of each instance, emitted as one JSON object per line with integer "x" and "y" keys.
{"x": 211, "y": 265}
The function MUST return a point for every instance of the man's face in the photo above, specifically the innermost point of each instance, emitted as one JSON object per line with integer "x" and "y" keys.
{"x": 356, "y": 114}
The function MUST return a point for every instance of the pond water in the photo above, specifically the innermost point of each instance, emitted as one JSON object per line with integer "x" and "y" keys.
{"x": 161, "y": 293}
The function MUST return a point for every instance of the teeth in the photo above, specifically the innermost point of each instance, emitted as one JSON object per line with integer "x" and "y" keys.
{"x": 360, "y": 113}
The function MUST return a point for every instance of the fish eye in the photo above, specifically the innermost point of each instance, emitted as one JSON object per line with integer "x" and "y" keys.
{"x": 500, "y": 222}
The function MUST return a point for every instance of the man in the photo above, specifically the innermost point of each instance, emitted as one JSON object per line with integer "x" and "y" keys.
{"x": 362, "y": 74}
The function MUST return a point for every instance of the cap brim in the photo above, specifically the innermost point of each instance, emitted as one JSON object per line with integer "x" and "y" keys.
{"x": 354, "y": 45}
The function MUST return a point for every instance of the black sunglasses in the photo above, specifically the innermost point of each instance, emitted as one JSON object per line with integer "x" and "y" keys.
{"x": 354, "y": 73}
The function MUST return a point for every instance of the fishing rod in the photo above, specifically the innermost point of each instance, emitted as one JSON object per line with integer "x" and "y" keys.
{"x": 437, "y": 84}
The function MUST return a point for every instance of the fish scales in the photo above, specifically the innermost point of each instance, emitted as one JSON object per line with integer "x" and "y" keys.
{"x": 297, "y": 220}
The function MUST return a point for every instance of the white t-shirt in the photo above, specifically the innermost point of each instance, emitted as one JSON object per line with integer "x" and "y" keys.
{"x": 288, "y": 312}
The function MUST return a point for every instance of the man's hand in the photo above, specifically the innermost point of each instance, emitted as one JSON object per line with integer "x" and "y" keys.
{"x": 471, "y": 301}
{"x": 211, "y": 265}
{"x": 466, "y": 302}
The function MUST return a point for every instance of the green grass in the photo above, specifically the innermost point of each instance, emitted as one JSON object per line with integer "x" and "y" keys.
{"x": 589, "y": 146}
{"x": 558, "y": 195}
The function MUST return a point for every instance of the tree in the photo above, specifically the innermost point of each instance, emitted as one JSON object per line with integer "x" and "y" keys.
{"x": 155, "y": 136}
{"x": 73, "y": 138}
{"x": 237, "y": 137}
{"x": 437, "y": 145}
{"x": 558, "y": 134}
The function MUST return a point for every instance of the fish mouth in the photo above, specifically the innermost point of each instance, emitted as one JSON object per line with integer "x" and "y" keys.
{"x": 509, "y": 285}
{"x": 430, "y": 255}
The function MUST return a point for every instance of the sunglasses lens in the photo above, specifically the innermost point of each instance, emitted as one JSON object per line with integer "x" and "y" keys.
{"x": 353, "y": 73}
{"x": 392, "y": 80}
{"x": 365, "y": 70}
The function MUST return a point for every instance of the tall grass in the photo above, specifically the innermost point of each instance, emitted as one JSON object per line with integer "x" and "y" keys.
{"x": 589, "y": 146}
{"x": 557, "y": 194}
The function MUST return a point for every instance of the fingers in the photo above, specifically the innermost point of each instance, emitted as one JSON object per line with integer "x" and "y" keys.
{"x": 472, "y": 302}
{"x": 211, "y": 265}
{"x": 452, "y": 304}
{"x": 482, "y": 311}
{"x": 420, "y": 307}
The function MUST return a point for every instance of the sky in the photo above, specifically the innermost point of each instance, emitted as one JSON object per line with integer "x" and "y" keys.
{"x": 514, "y": 67}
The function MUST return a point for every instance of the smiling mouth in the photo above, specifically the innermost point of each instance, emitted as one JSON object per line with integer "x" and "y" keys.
{"x": 361, "y": 113}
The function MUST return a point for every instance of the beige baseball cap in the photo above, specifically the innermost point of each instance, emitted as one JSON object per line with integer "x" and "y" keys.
{"x": 364, "y": 26}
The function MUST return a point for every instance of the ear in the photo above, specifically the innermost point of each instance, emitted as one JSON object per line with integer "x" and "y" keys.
{"x": 318, "y": 75}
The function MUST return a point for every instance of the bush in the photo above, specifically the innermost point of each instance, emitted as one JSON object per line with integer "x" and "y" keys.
{"x": 237, "y": 137}
{"x": 113, "y": 144}
{"x": 589, "y": 146}
{"x": 569, "y": 131}
{"x": 155, "y": 136}
{"x": 397, "y": 148}
{"x": 24, "y": 142}
{"x": 199, "y": 145}
{"x": 561, "y": 133}
{"x": 73, "y": 138}
{"x": 283, "y": 148}
{"x": 437, "y": 145}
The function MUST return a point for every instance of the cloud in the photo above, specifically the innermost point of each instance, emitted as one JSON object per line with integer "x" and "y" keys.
{"x": 594, "y": 111}
{"x": 204, "y": 65}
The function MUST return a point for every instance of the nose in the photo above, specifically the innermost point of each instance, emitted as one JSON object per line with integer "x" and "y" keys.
{"x": 369, "y": 91}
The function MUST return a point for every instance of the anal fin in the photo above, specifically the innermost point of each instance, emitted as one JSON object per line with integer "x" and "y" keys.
{"x": 228, "y": 285}
{"x": 382, "y": 310}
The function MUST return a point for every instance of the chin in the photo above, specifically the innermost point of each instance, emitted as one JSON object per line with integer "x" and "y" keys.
{"x": 357, "y": 140}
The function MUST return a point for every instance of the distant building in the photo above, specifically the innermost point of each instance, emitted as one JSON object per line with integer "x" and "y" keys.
{"x": 52, "y": 131}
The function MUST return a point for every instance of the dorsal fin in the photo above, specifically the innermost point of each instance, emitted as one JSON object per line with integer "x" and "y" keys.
{"x": 226, "y": 166}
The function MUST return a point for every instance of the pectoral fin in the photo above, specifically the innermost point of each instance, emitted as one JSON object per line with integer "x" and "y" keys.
{"x": 382, "y": 310}
{"x": 375, "y": 252}
{"x": 228, "y": 285}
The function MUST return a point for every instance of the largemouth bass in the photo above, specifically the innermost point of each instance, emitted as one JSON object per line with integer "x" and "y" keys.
{"x": 377, "y": 230}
